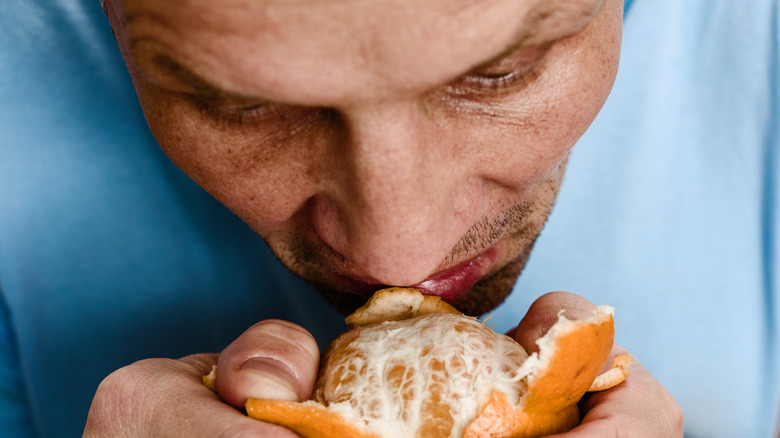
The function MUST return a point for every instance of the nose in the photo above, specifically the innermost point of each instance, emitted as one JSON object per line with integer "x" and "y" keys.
{"x": 400, "y": 197}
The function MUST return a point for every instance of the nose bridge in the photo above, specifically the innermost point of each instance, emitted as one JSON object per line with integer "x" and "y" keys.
{"x": 397, "y": 213}
{"x": 387, "y": 153}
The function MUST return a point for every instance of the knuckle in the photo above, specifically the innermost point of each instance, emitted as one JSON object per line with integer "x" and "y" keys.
{"x": 116, "y": 405}
{"x": 678, "y": 419}
{"x": 668, "y": 410}
{"x": 671, "y": 414}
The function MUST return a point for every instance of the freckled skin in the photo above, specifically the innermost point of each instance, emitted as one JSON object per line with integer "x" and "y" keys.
{"x": 377, "y": 150}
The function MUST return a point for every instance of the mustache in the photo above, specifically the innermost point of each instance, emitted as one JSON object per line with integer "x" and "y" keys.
{"x": 512, "y": 219}
{"x": 308, "y": 250}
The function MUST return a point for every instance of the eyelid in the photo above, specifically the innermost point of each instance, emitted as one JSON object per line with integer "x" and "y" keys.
{"x": 524, "y": 74}
{"x": 228, "y": 104}
{"x": 228, "y": 110}
{"x": 514, "y": 70}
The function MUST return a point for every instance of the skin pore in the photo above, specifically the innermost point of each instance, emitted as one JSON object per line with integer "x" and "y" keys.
{"x": 371, "y": 143}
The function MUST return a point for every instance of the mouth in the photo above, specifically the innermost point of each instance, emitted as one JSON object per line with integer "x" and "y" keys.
{"x": 449, "y": 284}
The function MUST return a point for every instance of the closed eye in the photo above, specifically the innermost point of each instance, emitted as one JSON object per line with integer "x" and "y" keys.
{"x": 514, "y": 71}
{"x": 226, "y": 110}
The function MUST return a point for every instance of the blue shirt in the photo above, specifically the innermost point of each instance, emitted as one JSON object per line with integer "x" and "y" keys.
{"x": 110, "y": 254}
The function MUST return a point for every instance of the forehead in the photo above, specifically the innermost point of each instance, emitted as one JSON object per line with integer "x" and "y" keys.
{"x": 274, "y": 46}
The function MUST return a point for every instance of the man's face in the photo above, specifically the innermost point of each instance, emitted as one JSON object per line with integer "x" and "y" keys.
{"x": 382, "y": 142}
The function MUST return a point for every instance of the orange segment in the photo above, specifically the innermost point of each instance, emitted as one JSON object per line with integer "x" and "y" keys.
{"x": 309, "y": 420}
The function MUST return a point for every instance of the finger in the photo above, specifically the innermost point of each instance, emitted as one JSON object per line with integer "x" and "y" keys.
{"x": 272, "y": 360}
{"x": 543, "y": 313}
{"x": 639, "y": 406}
{"x": 640, "y": 402}
{"x": 165, "y": 397}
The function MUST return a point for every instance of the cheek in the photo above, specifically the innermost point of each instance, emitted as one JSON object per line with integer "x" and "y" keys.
{"x": 524, "y": 138}
{"x": 264, "y": 174}
{"x": 523, "y": 144}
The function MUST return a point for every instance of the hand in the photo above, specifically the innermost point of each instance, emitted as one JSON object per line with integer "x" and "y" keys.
{"x": 639, "y": 406}
{"x": 165, "y": 398}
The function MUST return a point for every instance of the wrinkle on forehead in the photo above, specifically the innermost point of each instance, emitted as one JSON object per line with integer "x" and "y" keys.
{"x": 402, "y": 45}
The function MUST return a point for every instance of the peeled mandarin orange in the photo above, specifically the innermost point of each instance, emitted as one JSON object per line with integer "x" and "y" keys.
{"x": 412, "y": 366}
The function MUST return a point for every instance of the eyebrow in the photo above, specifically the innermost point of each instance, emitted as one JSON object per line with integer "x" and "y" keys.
{"x": 534, "y": 20}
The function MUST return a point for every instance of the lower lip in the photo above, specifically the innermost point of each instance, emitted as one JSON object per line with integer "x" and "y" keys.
{"x": 454, "y": 283}
{"x": 449, "y": 285}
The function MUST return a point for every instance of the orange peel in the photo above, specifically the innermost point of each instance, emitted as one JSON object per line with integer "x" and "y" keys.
{"x": 411, "y": 365}
{"x": 614, "y": 376}
{"x": 397, "y": 304}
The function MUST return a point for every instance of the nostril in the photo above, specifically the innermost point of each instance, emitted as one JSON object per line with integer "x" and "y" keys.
{"x": 328, "y": 222}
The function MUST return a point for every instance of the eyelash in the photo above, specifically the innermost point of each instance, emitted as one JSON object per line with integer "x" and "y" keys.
{"x": 517, "y": 79}
{"x": 221, "y": 111}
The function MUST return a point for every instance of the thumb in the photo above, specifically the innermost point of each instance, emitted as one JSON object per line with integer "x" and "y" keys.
{"x": 543, "y": 313}
{"x": 273, "y": 359}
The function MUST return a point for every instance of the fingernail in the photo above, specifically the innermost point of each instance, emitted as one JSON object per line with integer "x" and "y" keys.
{"x": 277, "y": 380}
